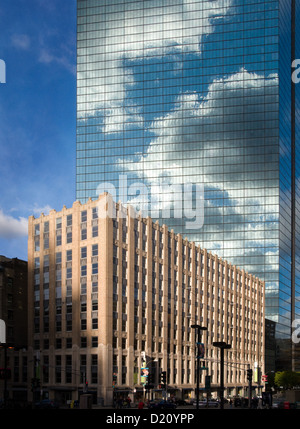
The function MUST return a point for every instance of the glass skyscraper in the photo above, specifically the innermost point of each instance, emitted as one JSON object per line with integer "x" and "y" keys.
{"x": 187, "y": 110}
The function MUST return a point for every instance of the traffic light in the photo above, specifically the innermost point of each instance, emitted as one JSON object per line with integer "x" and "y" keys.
{"x": 249, "y": 374}
{"x": 207, "y": 382}
{"x": 265, "y": 379}
{"x": 150, "y": 382}
{"x": 163, "y": 378}
{"x": 35, "y": 384}
{"x": 115, "y": 377}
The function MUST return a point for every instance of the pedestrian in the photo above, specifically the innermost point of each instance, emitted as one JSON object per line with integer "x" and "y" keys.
{"x": 141, "y": 405}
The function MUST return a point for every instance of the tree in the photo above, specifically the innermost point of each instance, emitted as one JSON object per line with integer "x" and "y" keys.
{"x": 287, "y": 379}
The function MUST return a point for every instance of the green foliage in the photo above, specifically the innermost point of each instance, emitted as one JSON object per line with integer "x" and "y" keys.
{"x": 287, "y": 379}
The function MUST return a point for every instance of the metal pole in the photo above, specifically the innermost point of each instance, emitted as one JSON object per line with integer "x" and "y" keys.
{"x": 249, "y": 386}
{"x": 222, "y": 345}
{"x": 222, "y": 378}
{"x": 199, "y": 328}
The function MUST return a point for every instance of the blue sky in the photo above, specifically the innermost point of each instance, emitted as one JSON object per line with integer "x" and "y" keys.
{"x": 37, "y": 114}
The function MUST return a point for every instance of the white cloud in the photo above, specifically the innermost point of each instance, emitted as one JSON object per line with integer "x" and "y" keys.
{"x": 11, "y": 227}
{"x": 21, "y": 41}
{"x": 204, "y": 117}
{"x": 225, "y": 98}
{"x": 150, "y": 34}
{"x": 38, "y": 210}
{"x": 46, "y": 57}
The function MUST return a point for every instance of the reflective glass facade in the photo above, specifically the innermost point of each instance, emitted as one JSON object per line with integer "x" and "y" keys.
{"x": 186, "y": 106}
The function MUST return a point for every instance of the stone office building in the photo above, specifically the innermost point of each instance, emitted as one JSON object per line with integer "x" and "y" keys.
{"x": 111, "y": 292}
{"x": 14, "y": 338}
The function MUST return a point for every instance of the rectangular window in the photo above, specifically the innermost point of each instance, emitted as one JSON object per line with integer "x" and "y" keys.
{"x": 83, "y": 289}
{"x": 37, "y": 244}
{"x": 95, "y": 231}
{"x": 95, "y": 250}
{"x": 69, "y": 255}
{"x": 83, "y": 234}
{"x": 94, "y": 341}
{"x": 69, "y": 220}
{"x": 94, "y": 213}
{"x": 84, "y": 216}
{"x": 69, "y": 325}
{"x": 94, "y": 268}
{"x": 68, "y": 368}
{"x": 46, "y": 243}
{"x": 83, "y": 271}
{"x": 58, "y": 240}
{"x": 58, "y": 369}
{"x": 69, "y": 273}
{"x": 58, "y": 258}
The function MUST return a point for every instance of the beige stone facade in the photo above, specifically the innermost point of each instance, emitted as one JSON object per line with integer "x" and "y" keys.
{"x": 106, "y": 292}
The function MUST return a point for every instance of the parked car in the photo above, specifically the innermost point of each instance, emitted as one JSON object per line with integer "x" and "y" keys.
{"x": 46, "y": 404}
{"x": 162, "y": 405}
{"x": 278, "y": 404}
{"x": 237, "y": 402}
{"x": 181, "y": 402}
{"x": 210, "y": 403}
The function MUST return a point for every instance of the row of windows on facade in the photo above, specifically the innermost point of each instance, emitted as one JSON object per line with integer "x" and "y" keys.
{"x": 93, "y": 46}
{"x": 69, "y": 221}
{"x": 161, "y": 31}
{"x": 186, "y": 258}
{"x": 159, "y": 239}
{"x": 248, "y": 335}
{"x": 96, "y": 7}
{"x": 64, "y": 371}
{"x": 185, "y": 347}
{"x": 186, "y": 279}
{"x": 157, "y": 236}
{"x": 68, "y": 257}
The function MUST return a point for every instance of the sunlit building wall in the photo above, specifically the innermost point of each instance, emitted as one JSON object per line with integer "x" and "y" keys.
{"x": 105, "y": 291}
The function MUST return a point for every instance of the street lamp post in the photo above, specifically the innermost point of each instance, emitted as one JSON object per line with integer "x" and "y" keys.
{"x": 222, "y": 346}
{"x": 199, "y": 329}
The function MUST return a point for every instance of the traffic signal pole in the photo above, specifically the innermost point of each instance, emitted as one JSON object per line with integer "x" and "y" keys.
{"x": 222, "y": 346}
{"x": 249, "y": 376}
{"x": 163, "y": 381}
{"x": 199, "y": 329}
